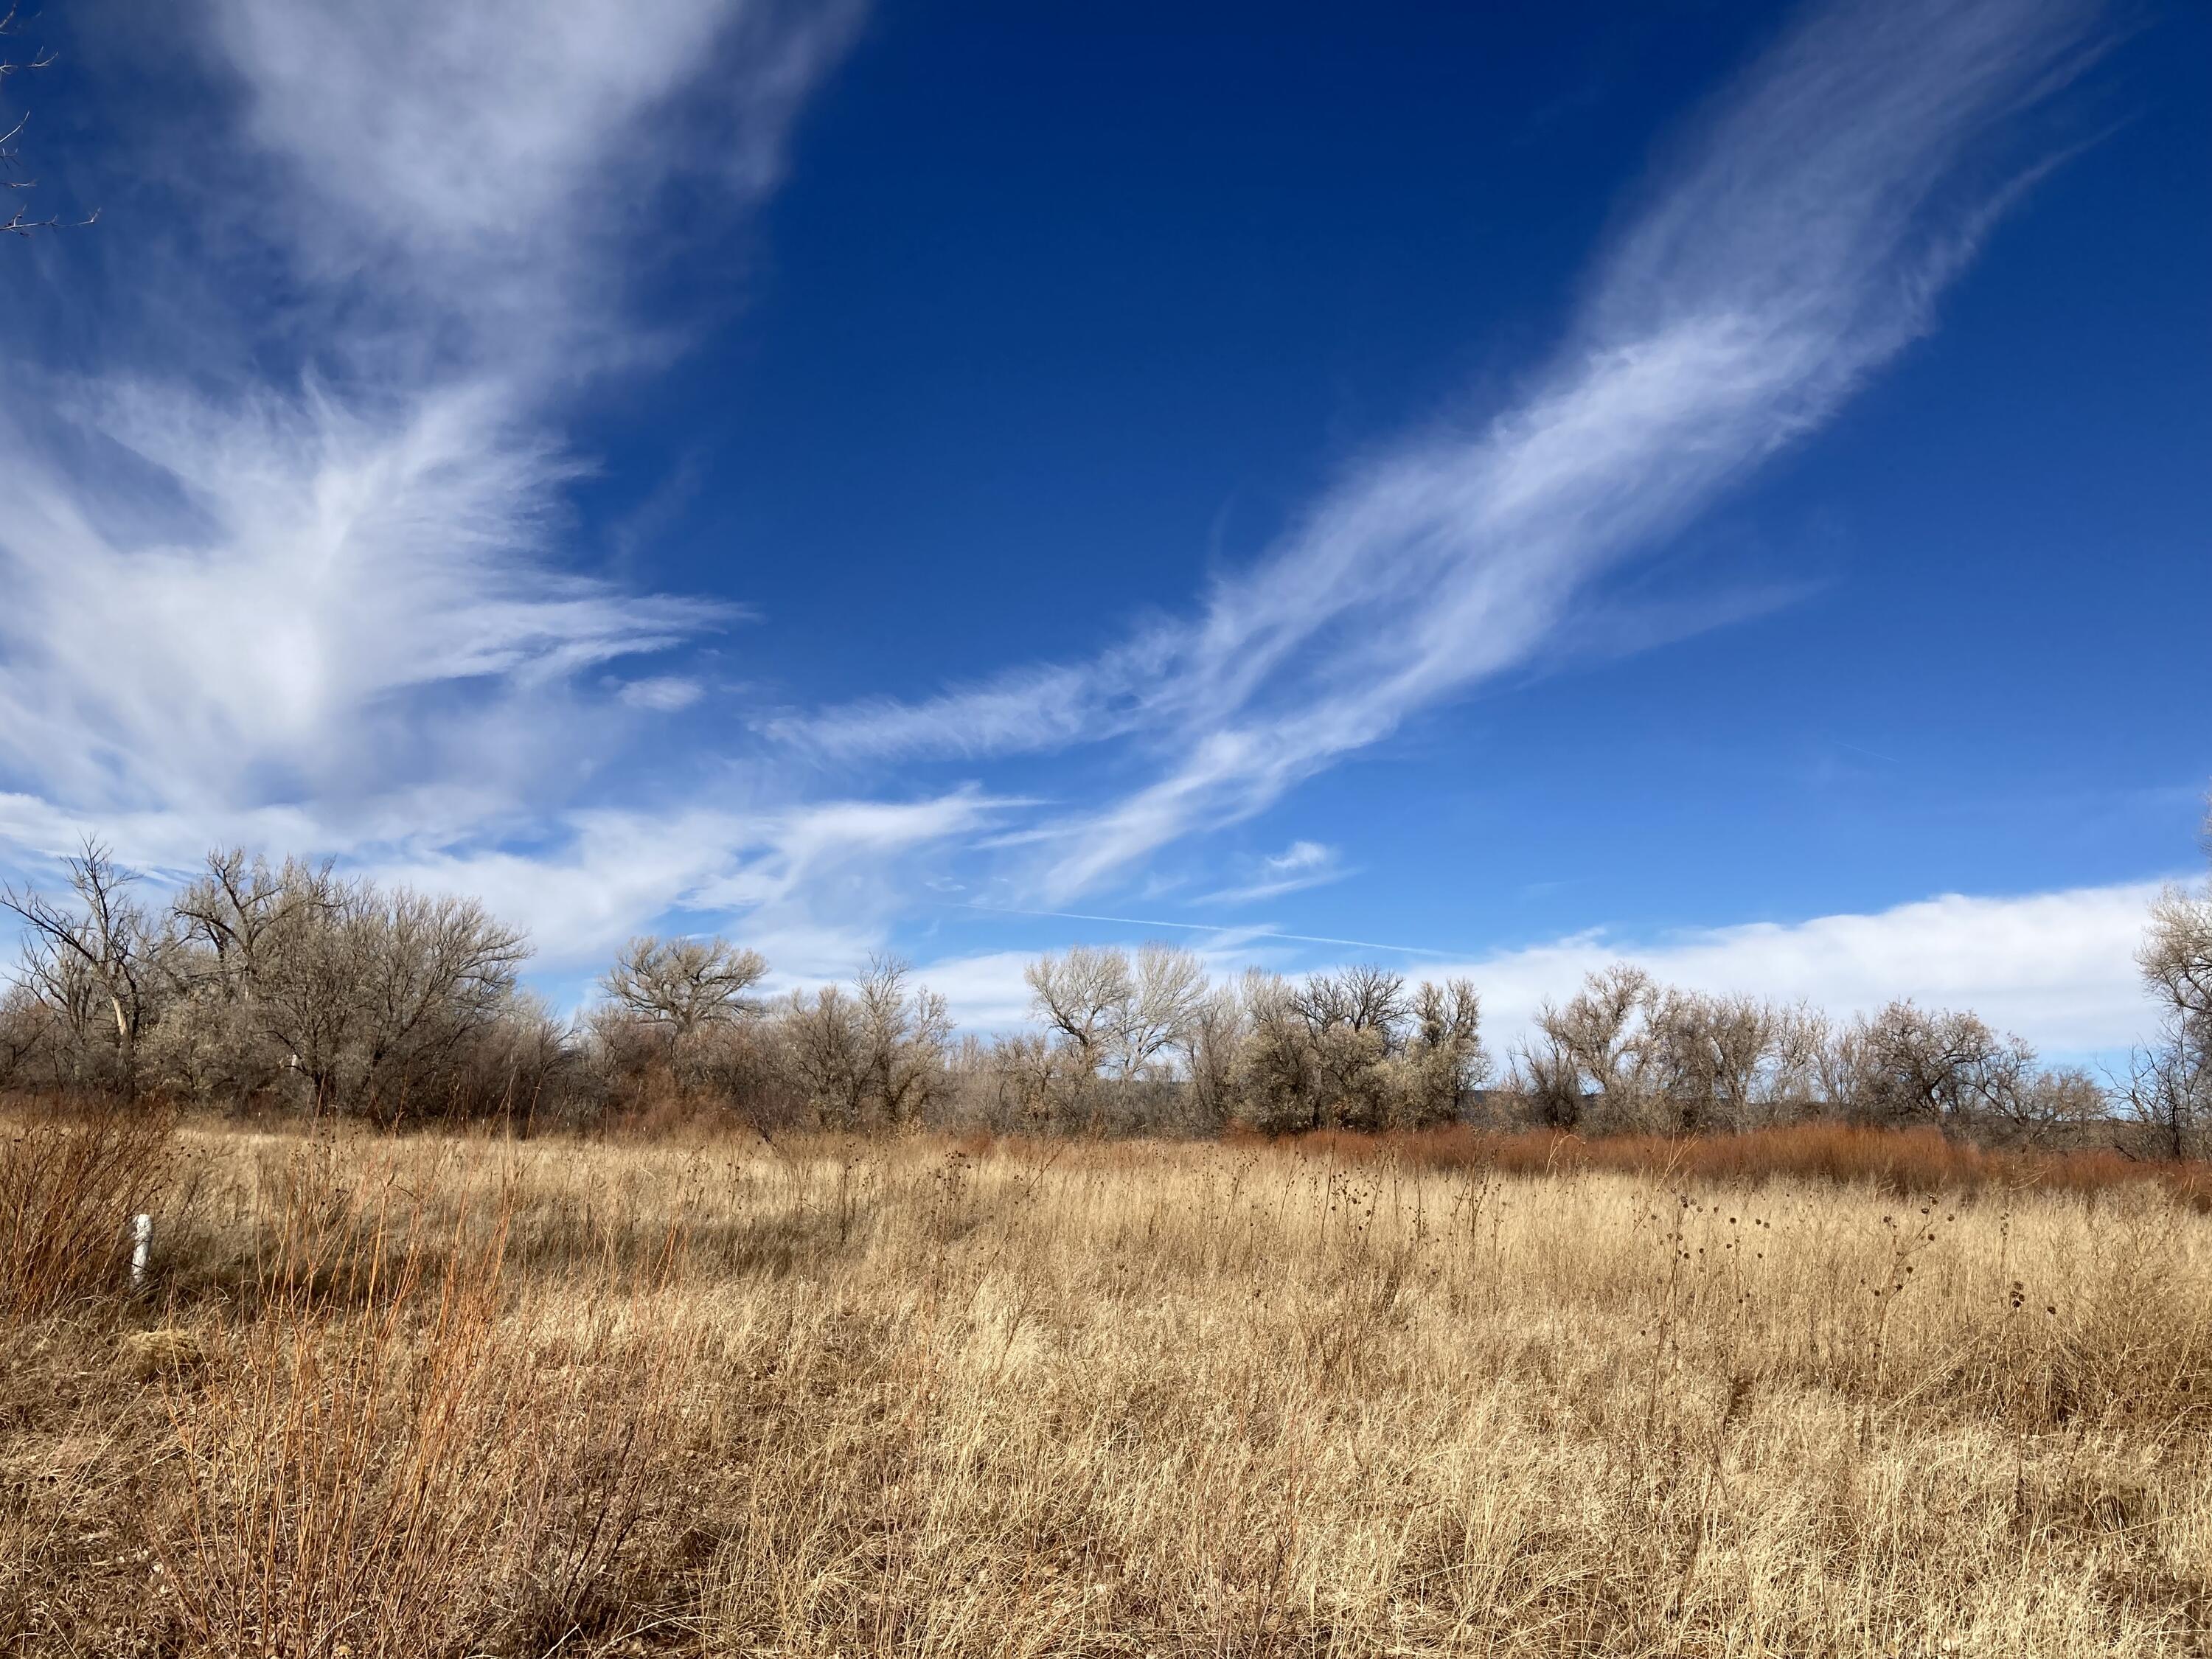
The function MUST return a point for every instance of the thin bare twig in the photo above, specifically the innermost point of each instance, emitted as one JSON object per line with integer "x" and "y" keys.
{"x": 20, "y": 221}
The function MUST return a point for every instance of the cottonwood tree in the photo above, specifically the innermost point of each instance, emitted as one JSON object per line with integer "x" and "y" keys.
{"x": 293, "y": 983}
{"x": 1035, "y": 1085}
{"x": 2169, "y": 1085}
{"x": 1942, "y": 1066}
{"x": 303, "y": 985}
{"x": 1799, "y": 1065}
{"x": 242, "y": 912}
{"x": 681, "y": 985}
{"x": 1355, "y": 1050}
{"x": 355, "y": 997}
{"x": 820, "y": 1037}
{"x": 102, "y": 967}
{"x": 1167, "y": 989}
{"x": 906, "y": 1036}
{"x": 2048, "y": 1104}
{"x": 256, "y": 983}
{"x": 1588, "y": 1050}
{"x": 2167, "y": 1091}
{"x": 1217, "y": 1031}
{"x": 1646, "y": 1055}
{"x": 871, "y": 1056}
{"x": 1355, "y": 1024}
{"x": 1120, "y": 1028}
{"x": 379, "y": 1000}
{"x": 238, "y": 1031}
{"x": 1080, "y": 997}
{"x": 1442, "y": 1059}
{"x": 1705, "y": 1057}
{"x": 678, "y": 1023}
{"x": 26, "y": 1037}
{"x": 1276, "y": 1079}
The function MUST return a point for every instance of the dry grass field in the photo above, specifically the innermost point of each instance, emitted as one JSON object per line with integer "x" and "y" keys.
{"x": 430, "y": 1397}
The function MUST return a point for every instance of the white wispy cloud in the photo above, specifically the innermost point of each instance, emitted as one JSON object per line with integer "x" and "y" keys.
{"x": 486, "y": 167}
{"x": 810, "y": 883}
{"x": 293, "y": 559}
{"x": 1218, "y": 936}
{"x": 1022, "y": 711}
{"x": 267, "y": 594}
{"x": 1793, "y": 243}
{"x": 665, "y": 694}
{"x": 1301, "y": 865}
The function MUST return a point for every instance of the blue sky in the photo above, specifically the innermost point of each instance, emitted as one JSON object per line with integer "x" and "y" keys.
{"x": 1476, "y": 487}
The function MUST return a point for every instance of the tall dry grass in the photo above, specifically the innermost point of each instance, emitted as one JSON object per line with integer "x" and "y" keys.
{"x": 454, "y": 1397}
{"x": 70, "y": 1180}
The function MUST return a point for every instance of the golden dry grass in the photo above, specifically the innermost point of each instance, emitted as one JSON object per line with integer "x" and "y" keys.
{"x": 441, "y": 1397}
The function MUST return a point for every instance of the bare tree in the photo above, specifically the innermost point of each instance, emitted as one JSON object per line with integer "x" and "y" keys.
{"x": 1549, "y": 1085}
{"x": 237, "y": 920}
{"x": 352, "y": 996}
{"x": 305, "y": 983}
{"x": 2169, "y": 1085}
{"x": 1216, "y": 1030}
{"x": 1797, "y": 1072}
{"x": 1940, "y": 1066}
{"x": 2048, "y": 1105}
{"x": 291, "y": 983}
{"x": 1706, "y": 1056}
{"x": 874, "y": 1056}
{"x": 1034, "y": 1082}
{"x": 820, "y": 1035}
{"x": 27, "y": 1037}
{"x": 1276, "y": 1085}
{"x": 241, "y": 913}
{"x": 1361, "y": 998}
{"x": 252, "y": 981}
{"x": 2167, "y": 1091}
{"x": 1591, "y": 1046}
{"x": 1443, "y": 1057}
{"x": 248, "y": 928}
{"x": 905, "y": 1039}
{"x": 432, "y": 973}
{"x": 1355, "y": 1024}
{"x": 683, "y": 984}
{"x": 1121, "y": 1031}
{"x": 106, "y": 954}
{"x": 1167, "y": 989}
{"x": 1083, "y": 998}
{"x": 2176, "y": 957}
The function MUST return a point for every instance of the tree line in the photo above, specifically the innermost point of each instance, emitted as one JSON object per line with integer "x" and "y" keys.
{"x": 294, "y": 989}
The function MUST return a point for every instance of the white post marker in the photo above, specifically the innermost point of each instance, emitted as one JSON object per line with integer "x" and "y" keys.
{"x": 142, "y": 1250}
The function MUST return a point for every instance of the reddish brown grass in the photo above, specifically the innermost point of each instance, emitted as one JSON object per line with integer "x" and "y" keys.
{"x": 1915, "y": 1160}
